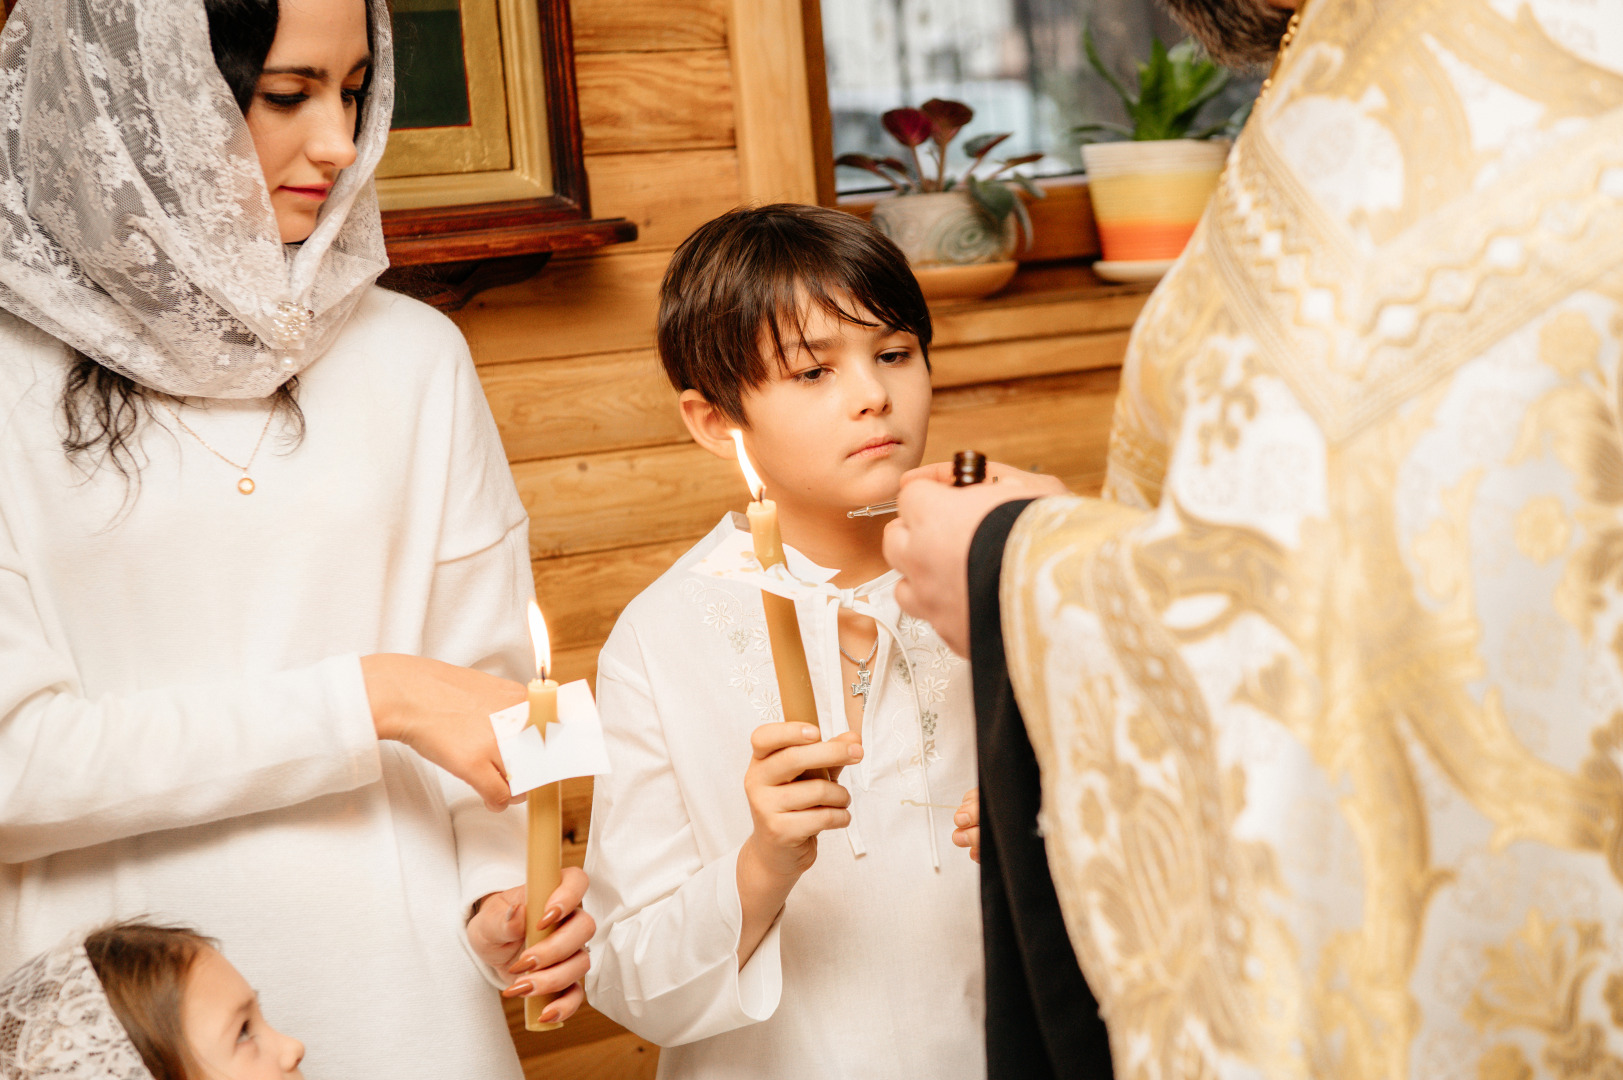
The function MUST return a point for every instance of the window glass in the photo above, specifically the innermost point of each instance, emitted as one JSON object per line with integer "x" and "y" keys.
{"x": 1018, "y": 63}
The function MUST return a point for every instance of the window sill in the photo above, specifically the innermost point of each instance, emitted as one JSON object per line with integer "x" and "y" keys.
{"x": 1061, "y": 221}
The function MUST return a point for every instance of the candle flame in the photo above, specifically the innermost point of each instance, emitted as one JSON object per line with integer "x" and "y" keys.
{"x": 757, "y": 489}
{"x": 540, "y": 641}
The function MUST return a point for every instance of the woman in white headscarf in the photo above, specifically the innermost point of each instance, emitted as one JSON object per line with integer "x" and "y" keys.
{"x": 260, "y": 551}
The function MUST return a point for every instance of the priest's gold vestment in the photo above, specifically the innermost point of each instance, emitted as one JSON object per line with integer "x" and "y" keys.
{"x": 1327, "y": 692}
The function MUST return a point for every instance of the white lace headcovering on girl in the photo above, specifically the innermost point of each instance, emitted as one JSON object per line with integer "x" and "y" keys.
{"x": 134, "y": 220}
{"x": 57, "y": 1024}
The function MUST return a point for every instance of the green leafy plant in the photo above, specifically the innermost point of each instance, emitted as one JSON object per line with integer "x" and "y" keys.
{"x": 1173, "y": 86}
{"x": 938, "y": 122}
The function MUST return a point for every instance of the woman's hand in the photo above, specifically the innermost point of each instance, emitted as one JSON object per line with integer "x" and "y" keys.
{"x": 968, "y": 820}
{"x": 443, "y": 712}
{"x": 554, "y": 965}
{"x": 496, "y": 930}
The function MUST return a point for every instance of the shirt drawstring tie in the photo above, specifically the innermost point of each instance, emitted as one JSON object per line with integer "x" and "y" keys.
{"x": 847, "y": 599}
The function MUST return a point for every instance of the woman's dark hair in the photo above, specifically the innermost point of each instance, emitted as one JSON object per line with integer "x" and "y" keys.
{"x": 143, "y": 968}
{"x": 102, "y": 409}
{"x": 741, "y": 282}
{"x": 240, "y": 33}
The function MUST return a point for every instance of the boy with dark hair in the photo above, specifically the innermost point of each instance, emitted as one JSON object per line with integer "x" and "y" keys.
{"x": 726, "y": 933}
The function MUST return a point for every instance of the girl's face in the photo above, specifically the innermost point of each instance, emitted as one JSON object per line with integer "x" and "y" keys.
{"x": 302, "y": 116}
{"x": 229, "y": 1039}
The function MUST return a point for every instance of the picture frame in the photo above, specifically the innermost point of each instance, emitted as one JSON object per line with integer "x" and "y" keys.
{"x": 473, "y": 223}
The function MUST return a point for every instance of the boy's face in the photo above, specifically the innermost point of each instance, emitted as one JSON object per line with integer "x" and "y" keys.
{"x": 837, "y": 429}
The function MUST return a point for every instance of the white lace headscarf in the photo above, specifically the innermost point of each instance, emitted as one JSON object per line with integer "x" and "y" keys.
{"x": 134, "y": 220}
{"x": 57, "y": 1024}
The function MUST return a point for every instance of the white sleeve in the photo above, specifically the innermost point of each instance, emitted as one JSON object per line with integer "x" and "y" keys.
{"x": 77, "y": 771}
{"x": 476, "y": 615}
{"x": 476, "y": 619}
{"x": 665, "y": 957}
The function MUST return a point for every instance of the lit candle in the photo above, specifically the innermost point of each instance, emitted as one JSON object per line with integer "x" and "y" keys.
{"x": 544, "y": 862}
{"x": 782, "y": 626}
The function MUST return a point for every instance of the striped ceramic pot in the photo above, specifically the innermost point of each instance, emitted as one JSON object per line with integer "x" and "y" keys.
{"x": 944, "y": 228}
{"x": 1148, "y": 196}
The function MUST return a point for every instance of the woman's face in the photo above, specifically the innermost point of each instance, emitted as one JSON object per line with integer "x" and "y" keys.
{"x": 303, "y": 112}
{"x": 229, "y": 1039}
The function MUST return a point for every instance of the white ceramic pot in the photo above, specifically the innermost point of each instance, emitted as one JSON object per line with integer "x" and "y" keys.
{"x": 944, "y": 228}
{"x": 1148, "y": 196}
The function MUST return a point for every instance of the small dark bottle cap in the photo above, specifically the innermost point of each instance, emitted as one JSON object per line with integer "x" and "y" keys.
{"x": 968, "y": 467}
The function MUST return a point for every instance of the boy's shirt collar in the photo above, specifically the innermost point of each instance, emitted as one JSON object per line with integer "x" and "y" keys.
{"x": 799, "y": 565}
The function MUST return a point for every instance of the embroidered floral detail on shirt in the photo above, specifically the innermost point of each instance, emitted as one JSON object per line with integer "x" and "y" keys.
{"x": 744, "y": 678}
{"x": 944, "y": 659}
{"x": 931, "y": 689}
{"x": 927, "y": 721}
{"x": 767, "y": 706}
{"x": 720, "y": 610}
{"x": 903, "y": 673}
{"x": 913, "y": 629}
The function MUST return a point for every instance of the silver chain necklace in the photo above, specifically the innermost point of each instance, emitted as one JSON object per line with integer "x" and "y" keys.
{"x": 864, "y": 684}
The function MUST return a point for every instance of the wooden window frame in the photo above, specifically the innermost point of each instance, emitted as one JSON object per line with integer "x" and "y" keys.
{"x": 1061, "y": 222}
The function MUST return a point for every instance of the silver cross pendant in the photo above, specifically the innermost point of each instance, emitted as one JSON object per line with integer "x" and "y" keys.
{"x": 863, "y": 685}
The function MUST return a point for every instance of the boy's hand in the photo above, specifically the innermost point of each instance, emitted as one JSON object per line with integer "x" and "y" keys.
{"x": 968, "y": 820}
{"x": 790, "y": 812}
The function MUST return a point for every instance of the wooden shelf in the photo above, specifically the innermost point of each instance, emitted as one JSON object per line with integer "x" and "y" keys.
{"x": 1049, "y": 283}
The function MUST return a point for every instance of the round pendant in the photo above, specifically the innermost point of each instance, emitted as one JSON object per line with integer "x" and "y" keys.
{"x": 246, "y": 486}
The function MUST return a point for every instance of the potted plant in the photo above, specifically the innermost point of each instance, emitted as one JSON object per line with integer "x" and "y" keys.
{"x": 943, "y": 222}
{"x": 1149, "y": 191}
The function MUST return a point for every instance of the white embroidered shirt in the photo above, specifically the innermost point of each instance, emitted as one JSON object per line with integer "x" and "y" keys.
{"x": 874, "y": 968}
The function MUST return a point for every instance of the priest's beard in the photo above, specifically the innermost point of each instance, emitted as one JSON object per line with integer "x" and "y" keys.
{"x": 1238, "y": 33}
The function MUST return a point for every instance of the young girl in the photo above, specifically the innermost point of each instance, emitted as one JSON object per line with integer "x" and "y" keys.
{"x": 261, "y": 557}
{"x": 135, "y": 1001}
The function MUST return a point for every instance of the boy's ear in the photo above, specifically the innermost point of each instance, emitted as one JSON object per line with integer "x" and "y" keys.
{"x": 709, "y": 428}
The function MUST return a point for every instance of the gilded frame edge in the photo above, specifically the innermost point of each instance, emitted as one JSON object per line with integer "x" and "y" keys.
{"x": 530, "y": 175}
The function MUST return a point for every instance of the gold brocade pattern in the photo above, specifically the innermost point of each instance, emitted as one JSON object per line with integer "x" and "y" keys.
{"x": 1328, "y": 692}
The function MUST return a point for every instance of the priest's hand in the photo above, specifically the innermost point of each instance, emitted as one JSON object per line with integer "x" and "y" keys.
{"x": 443, "y": 712}
{"x": 929, "y": 540}
{"x": 554, "y": 965}
{"x": 789, "y": 809}
{"x": 968, "y": 822}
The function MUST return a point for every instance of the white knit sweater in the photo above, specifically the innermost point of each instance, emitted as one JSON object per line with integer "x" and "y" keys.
{"x": 184, "y": 730}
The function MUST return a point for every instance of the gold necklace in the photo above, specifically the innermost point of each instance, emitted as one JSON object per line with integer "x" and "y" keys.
{"x": 246, "y": 484}
{"x": 1284, "y": 43}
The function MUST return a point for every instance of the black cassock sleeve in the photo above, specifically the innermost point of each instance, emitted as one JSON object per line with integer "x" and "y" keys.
{"x": 1042, "y": 1021}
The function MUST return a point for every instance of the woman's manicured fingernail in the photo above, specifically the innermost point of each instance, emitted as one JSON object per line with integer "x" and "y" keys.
{"x": 523, "y": 966}
{"x": 550, "y": 916}
{"x": 519, "y": 989}
{"x": 549, "y": 1014}
{"x": 512, "y": 909}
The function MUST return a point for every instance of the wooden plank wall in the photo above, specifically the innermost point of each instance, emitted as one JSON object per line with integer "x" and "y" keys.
{"x": 615, "y": 489}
